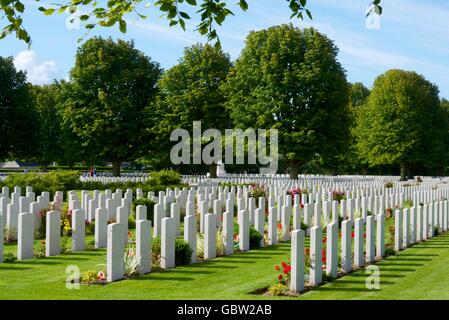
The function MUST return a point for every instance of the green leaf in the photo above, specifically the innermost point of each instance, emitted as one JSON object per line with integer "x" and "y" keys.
{"x": 19, "y": 6}
{"x": 122, "y": 26}
{"x": 49, "y": 12}
{"x": 243, "y": 5}
{"x": 191, "y": 2}
{"x": 184, "y": 15}
{"x": 182, "y": 24}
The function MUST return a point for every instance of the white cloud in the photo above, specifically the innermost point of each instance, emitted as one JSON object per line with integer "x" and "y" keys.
{"x": 38, "y": 72}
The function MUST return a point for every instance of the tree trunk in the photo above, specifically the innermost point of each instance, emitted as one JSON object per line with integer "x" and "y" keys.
{"x": 213, "y": 170}
{"x": 116, "y": 168}
{"x": 403, "y": 171}
{"x": 293, "y": 170}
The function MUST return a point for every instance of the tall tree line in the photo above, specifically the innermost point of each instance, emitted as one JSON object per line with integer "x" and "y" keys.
{"x": 119, "y": 105}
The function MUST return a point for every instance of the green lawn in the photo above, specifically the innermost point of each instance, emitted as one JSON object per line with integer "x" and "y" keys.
{"x": 417, "y": 273}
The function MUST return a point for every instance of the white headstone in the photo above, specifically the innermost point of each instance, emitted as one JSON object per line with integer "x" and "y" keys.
{"x": 167, "y": 243}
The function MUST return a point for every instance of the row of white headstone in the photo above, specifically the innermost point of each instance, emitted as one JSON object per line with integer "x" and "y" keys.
{"x": 412, "y": 226}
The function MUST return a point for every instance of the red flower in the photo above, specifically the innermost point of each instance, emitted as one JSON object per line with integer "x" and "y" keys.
{"x": 307, "y": 251}
{"x": 279, "y": 226}
{"x": 324, "y": 240}
{"x": 352, "y": 234}
{"x": 280, "y": 277}
{"x": 283, "y": 265}
{"x": 277, "y": 268}
{"x": 364, "y": 235}
{"x": 287, "y": 269}
{"x": 302, "y": 206}
{"x": 323, "y": 259}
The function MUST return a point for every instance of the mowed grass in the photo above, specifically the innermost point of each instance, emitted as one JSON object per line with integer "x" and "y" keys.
{"x": 419, "y": 272}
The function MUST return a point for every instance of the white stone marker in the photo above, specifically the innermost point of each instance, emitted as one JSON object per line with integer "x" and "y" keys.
{"x": 2, "y": 235}
{"x": 359, "y": 258}
{"x": 316, "y": 236}
{"x": 259, "y": 222}
{"x": 204, "y": 209}
{"x": 228, "y": 231}
{"x": 115, "y": 252}
{"x": 101, "y": 228}
{"x": 297, "y": 217}
{"x": 53, "y": 234}
{"x": 78, "y": 230}
{"x": 332, "y": 249}
{"x": 370, "y": 238}
{"x": 190, "y": 234}
{"x": 158, "y": 216}
{"x": 413, "y": 218}
{"x": 346, "y": 246}
{"x": 398, "y": 230}
{"x": 210, "y": 237}
{"x": 272, "y": 226}
{"x": 425, "y": 223}
{"x": 122, "y": 217}
{"x": 380, "y": 236}
{"x": 167, "y": 243}
{"x": 141, "y": 212}
{"x": 24, "y": 205}
{"x": 405, "y": 228}
{"x": 143, "y": 245}
{"x": 12, "y": 219}
{"x": 175, "y": 213}
{"x": 244, "y": 231}
{"x": 218, "y": 207}
{"x": 285, "y": 222}
{"x": 25, "y": 236}
{"x": 419, "y": 224}
{"x": 297, "y": 261}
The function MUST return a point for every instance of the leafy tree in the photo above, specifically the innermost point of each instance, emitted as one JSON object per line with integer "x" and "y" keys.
{"x": 210, "y": 13}
{"x": 190, "y": 91}
{"x": 289, "y": 79}
{"x": 17, "y": 116}
{"x": 402, "y": 123}
{"x": 359, "y": 94}
{"x": 111, "y": 85}
{"x": 56, "y": 141}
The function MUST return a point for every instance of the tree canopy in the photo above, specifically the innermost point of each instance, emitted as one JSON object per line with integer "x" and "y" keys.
{"x": 191, "y": 91}
{"x": 210, "y": 13}
{"x": 110, "y": 86}
{"x": 289, "y": 79}
{"x": 402, "y": 123}
{"x": 17, "y": 114}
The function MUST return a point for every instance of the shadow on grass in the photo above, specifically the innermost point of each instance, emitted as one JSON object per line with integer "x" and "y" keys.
{"x": 340, "y": 288}
{"x": 5, "y": 267}
{"x": 361, "y": 275}
{"x": 161, "y": 277}
{"x": 418, "y": 255}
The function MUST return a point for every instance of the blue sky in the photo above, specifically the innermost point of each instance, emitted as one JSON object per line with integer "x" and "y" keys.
{"x": 413, "y": 35}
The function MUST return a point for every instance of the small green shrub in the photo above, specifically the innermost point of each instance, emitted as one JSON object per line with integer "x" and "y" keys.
{"x": 156, "y": 252}
{"x": 9, "y": 258}
{"x": 277, "y": 289}
{"x": 164, "y": 177}
{"x": 389, "y": 184}
{"x": 144, "y": 202}
{"x": 389, "y": 251}
{"x": 90, "y": 227}
{"x": 131, "y": 222}
{"x": 183, "y": 252}
{"x": 254, "y": 239}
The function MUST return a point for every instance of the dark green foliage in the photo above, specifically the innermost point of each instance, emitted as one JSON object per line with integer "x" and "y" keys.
{"x": 143, "y": 202}
{"x": 254, "y": 239}
{"x": 183, "y": 253}
{"x": 9, "y": 258}
{"x": 18, "y": 118}
{"x": 164, "y": 178}
{"x": 111, "y": 85}
{"x": 289, "y": 79}
{"x": 51, "y": 182}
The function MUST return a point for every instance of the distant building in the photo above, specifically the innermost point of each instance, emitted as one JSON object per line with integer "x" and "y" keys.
{"x": 18, "y": 165}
